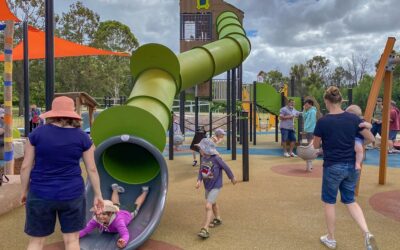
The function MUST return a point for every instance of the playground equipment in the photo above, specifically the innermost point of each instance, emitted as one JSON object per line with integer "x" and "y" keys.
{"x": 130, "y": 138}
{"x": 307, "y": 153}
{"x": 246, "y": 107}
{"x": 384, "y": 73}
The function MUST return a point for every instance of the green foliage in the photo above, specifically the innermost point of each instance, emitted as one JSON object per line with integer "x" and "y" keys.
{"x": 115, "y": 36}
{"x": 79, "y": 24}
{"x": 361, "y": 92}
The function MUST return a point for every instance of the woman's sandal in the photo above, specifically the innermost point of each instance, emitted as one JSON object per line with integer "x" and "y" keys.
{"x": 203, "y": 233}
{"x": 215, "y": 222}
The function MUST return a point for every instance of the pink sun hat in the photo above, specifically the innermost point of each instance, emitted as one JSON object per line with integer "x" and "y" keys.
{"x": 62, "y": 107}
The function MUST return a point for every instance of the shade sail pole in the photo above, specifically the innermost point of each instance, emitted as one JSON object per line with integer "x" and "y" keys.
{"x": 49, "y": 53}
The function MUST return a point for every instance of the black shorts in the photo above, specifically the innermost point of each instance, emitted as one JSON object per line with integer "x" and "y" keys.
{"x": 41, "y": 215}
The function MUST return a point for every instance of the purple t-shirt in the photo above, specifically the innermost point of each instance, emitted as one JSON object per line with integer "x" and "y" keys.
{"x": 218, "y": 166}
{"x": 118, "y": 224}
{"x": 56, "y": 174}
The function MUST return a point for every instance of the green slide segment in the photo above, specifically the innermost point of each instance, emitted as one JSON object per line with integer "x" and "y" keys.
{"x": 159, "y": 76}
{"x": 269, "y": 99}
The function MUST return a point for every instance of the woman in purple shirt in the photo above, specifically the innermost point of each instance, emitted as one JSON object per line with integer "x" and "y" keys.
{"x": 337, "y": 131}
{"x": 51, "y": 176}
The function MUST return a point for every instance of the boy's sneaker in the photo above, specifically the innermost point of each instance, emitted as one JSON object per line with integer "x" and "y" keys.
{"x": 331, "y": 244}
{"x": 194, "y": 163}
{"x": 286, "y": 154}
{"x": 145, "y": 188}
{"x": 118, "y": 188}
{"x": 370, "y": 242}
{"x": 203, "y": 233}
{"x": 293, "y": 155}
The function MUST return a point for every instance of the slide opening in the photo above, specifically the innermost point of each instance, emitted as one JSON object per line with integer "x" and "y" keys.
{"x": 130, "y": 161}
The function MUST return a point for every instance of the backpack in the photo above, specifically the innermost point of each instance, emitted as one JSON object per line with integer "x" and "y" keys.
{"x": 206, "y": 169}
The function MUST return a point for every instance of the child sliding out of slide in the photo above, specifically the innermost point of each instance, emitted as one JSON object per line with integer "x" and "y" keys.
{"x": 114, "y": 220}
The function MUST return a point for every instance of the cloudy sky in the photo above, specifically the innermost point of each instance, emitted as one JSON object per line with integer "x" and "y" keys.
{"x": 284, "y": 32}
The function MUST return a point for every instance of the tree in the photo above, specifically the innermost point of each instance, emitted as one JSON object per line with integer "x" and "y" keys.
{"x": 340, "y": 77}
{"x": 318, "y": 65}
{"x": 357, "y": 66}
{"x": 275, "y": 78}
{"x": 79, "y": 24}
{"x": 298, "y": 72}
{"x": 115, "y": 36}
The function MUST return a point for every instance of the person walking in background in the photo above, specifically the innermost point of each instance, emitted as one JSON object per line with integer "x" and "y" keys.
{"x": 34, "y": 117}
{"x": 337, "y": 131}
{"x": 178, "y": 136}
{"x": 51, "y": 176}
{"x": 199, "y": 135}
{"x": 376, "y": 121}
{"x": 287, "y": 115}
{"x": 310, "y": 119}
{"x": 394, "y": 126}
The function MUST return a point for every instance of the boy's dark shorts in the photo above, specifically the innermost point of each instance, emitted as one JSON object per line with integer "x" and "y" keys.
{"x": 41, "y": 215}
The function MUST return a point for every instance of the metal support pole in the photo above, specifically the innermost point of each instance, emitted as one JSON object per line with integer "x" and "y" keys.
{"x": 254, "y": 113}
{"x": 196, "y": 113}
{"x": 251, "y": 121}
{"x": 49, "y": 20}
{"x": 233, "y": 114}
{"x": 245, "y": 146}
{"x": 300, "y": 126}
{"x": 350, "y": 96}
{"x": 276, "y": 128}
{"x": 26, "y": 80}
{"x": 171, "y": 140}
{"x": 292, "y": 85}
{"x": 210, "y": 114}
{"x": 228, "y": 110}
{"x": 182, "y": 97}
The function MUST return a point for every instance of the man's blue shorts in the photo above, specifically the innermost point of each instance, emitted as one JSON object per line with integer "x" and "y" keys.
{"x": 288, "y": 135}
{"x": 376, "y": 129}
{"x": 41, "y": 215}
{"x": 392, "y": 135}
{"x": 339, "y": 177}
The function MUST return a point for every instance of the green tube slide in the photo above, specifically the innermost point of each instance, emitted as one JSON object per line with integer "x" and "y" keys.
{"x": 159, "y": 76}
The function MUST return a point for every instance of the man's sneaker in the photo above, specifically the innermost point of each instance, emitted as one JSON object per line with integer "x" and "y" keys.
{"x": 293, "y": 155}
{"x": 286, "y": 154}
{"x": 145, "y": 188}
{"x": 194, "y": 163}
{"x": 331, "y": 244}
{"x": 370, "y": 242}
{"x": 118, "y": 188}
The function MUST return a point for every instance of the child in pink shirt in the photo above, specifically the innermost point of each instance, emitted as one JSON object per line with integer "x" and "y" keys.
{"x": 114, "y": 220}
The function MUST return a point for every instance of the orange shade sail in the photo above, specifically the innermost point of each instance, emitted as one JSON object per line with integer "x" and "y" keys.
{"x": 5, "y": 13}
{"x": 62, "y": 48}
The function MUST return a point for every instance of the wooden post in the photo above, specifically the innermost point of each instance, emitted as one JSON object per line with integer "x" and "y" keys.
{"x": 373, "y": 95}
{"x": 380, "y": 73}
{"x": 387, "y": 94}
{"x": 8, "y": 121}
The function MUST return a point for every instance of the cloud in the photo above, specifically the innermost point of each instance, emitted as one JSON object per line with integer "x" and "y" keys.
{"x": 283, "y": 33}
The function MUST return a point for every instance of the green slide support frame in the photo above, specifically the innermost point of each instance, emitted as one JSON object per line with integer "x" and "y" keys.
{"x": 159, "y": 76}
